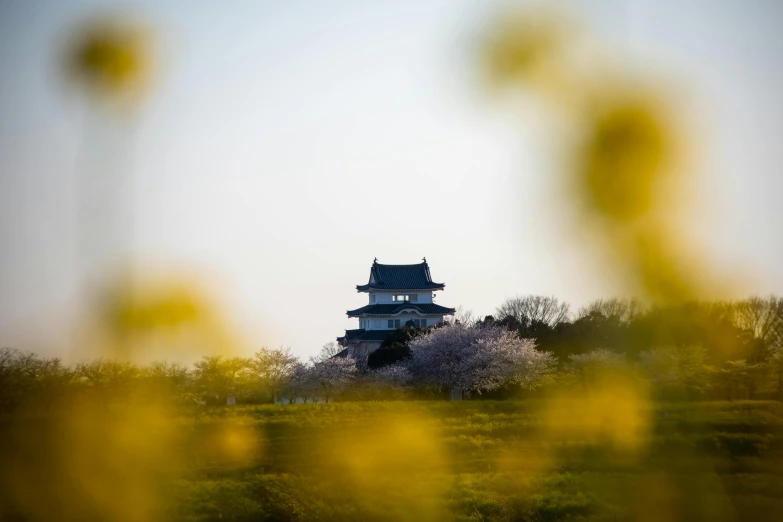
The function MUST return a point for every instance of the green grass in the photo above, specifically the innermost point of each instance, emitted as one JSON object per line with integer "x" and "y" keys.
{"x": 476, "y": 460}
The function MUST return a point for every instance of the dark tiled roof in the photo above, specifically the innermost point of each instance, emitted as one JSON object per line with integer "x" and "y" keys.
{"x": 391, "y": 309}
{"x": 365, "y": 335}
{"x": 400, "y": 277}
{"x": 342, "y": 354}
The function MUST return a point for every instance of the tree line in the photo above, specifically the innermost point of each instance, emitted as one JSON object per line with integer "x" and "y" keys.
{"x": 694, "y": 350}
{"x": 706, "y": 350}
{"x": 27, "y": 379}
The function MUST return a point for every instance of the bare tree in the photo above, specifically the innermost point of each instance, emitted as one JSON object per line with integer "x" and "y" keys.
{"x": 761, "y": 316}
{"x": 328, "y": 351}
{"x": 108, "y": 379}
{"x": 625, "y": 310}
{"x": 535, "y": 308}
{"x": 462, "y": 316}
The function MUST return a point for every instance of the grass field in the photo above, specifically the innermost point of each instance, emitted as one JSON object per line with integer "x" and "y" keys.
{"x": 480, "y": 460}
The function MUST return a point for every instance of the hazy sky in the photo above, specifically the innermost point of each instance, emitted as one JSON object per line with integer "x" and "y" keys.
{"x": 284, "y": 145}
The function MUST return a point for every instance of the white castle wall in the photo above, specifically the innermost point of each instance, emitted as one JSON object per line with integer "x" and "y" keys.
{"x": 382, "y": 323}
{"x": 387, "y": 297}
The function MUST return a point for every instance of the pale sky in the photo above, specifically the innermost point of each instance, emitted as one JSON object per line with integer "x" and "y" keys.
{"x": 284, "y": 145}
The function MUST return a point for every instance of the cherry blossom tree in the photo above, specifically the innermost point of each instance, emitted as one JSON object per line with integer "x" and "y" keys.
{"x": 300, "y": 384}
{"x": 320, "y": 379}
{"x": 216, "y": 378}
{"x": 476, "y": 358}
{"x": 273, "y": 368}
{"x": 332, "y": 376}
{"x": 388, "y": 382}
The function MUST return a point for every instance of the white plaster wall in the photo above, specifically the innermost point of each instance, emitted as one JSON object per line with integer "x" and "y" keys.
{"x": 372, "y": 323}
{"x": 382, "y": 323}
{"x": 386, "y": 297}
{"x": 431, "y": 320}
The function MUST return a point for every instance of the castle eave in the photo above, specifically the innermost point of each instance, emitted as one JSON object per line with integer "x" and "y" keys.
{"x": 396, "y": 309}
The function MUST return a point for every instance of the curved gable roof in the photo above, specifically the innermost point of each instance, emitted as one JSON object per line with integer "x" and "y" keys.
{"x": 400, "y": 277}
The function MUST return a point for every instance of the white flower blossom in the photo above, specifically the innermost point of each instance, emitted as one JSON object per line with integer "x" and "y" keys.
{"x": 475, "y": 358}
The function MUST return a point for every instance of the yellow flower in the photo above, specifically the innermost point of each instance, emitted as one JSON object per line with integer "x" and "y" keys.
{"x": 112, "y": 58}
{"x": 522, "y": 48}
{"x": 147, "y": 317}
{"x": 624, "y": 160}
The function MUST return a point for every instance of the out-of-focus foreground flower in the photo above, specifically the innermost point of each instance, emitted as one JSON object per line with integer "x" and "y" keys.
{"x": 625, "y": 172}
{"x": 111, "y": 58}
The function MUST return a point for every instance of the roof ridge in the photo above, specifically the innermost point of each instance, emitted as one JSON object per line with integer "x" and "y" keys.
{"x": 405, "y": 264}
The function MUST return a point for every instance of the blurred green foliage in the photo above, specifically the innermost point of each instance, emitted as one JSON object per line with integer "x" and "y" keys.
{"x": 704, "y": 457}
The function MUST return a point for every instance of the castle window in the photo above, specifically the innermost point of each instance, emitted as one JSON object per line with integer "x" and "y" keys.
{"x": 372, "y": 298}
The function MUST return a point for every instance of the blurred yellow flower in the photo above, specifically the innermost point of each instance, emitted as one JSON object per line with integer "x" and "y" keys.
{"x": 172, "y": 304}
{"x": 522, "y": 48}
{"x": 112, "y": 58}
{"x": 146, "y": 317}
{"x": 623, "y": 160}
{"x": 624, "y": 148}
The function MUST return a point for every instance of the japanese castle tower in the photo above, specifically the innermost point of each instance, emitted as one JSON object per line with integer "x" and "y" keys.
{"x": 398, "y": 295}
